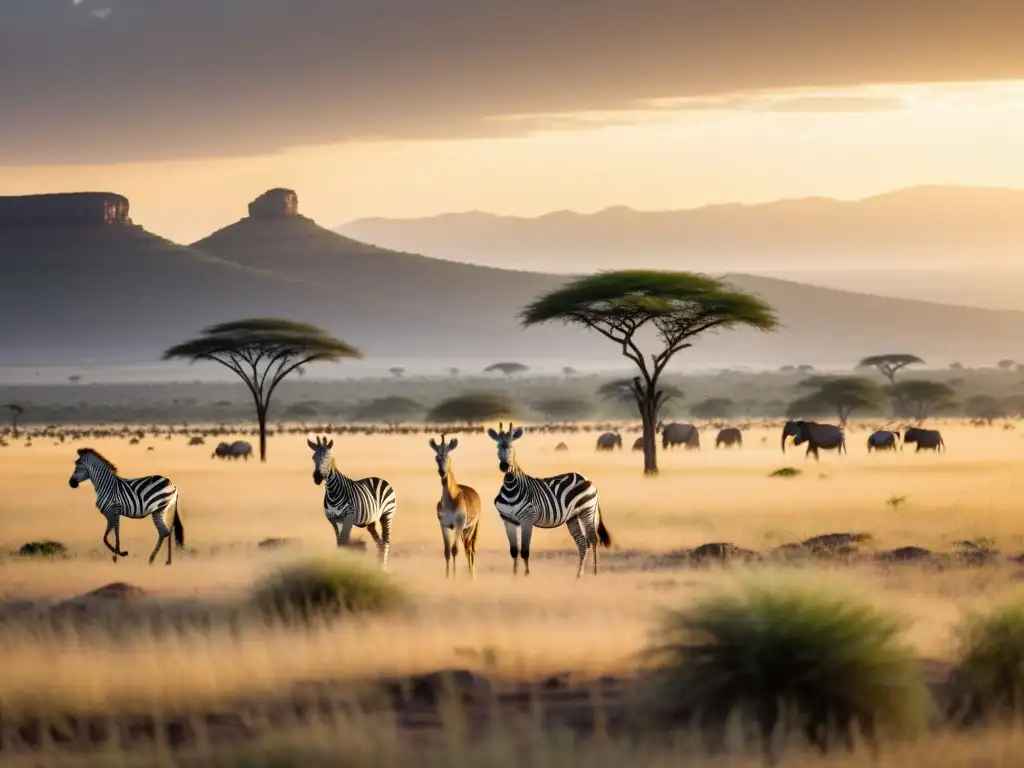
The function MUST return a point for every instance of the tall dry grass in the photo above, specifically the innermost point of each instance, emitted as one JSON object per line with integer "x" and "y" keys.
{"x": 522, "y": 627}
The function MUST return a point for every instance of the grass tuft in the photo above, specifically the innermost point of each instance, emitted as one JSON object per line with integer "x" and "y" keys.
{"x": 793, "y": 660}
{"x": 327, "y": 587}
{"x": 786, "y": 472}
{"x": 989, "y": 682}
{"x": 45, "y": 548}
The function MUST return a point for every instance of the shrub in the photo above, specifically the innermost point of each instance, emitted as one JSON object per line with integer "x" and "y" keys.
{"x": 793, "y": 660}
{"x": 327, "y": 587}
{"x": 43, "y": 549}
{"x": 989, "y": 682}
{"x": 786, "y": 472}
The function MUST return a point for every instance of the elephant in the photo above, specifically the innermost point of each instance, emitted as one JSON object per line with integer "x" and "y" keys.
{"x": 680, "y": 434}
{"x": 638, "y": 444}
{"x": 882, "y": 440}
{"x": 609, "y": 441}
{"x": 824, "y": 436}
{"x": 729, "y": 437}
{"x": 241, "y": 449}
{"x": 929, "y": 439}
{"x": 222, "y": 451}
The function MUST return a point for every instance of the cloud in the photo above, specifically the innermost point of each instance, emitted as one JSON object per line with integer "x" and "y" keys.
{"x": 169, "y": 79}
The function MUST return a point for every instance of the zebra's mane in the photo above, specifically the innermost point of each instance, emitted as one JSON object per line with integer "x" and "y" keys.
{"x": 98, "y": 455}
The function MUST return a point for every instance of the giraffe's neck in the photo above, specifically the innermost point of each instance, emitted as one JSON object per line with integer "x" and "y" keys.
{"x": 449, "y": 488}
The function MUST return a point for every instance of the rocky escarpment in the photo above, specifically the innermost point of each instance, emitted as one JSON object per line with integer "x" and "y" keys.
{"x": 275, "y": 203}
{"x": 64, "y": 210}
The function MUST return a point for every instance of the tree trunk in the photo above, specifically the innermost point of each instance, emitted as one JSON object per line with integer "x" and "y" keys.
{"x": 261, "y": 418}
{"x": 647, "y": 418}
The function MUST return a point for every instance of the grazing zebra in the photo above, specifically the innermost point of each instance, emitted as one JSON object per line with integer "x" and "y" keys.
{"x": 136, "y": 497}
{"x": 458, "y": 511}
{"x": 360, "y": 503}
{"x": 525, "y": 502}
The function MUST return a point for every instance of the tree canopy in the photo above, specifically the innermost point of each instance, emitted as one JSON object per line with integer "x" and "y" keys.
{"x": 262, "y": 352}
{"x": 890, "y": 363}
{"x": 473, "y": 408}
{"x": 564, "y": 408}
{"x": 841, "y": 395}
{"x": 507, "y": 368}
{"x": 677, "y": 306}
{"x": 922, "y": 398}
{"x": 714, "y": 408}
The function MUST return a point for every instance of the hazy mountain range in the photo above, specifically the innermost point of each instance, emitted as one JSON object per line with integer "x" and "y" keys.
{"x": 117, "y": 294}
{"x": 959, "y": 245}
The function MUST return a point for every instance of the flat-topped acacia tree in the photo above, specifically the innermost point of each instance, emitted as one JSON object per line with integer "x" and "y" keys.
{"x": 262, "y": 352}
{"x": 677, "y": 306}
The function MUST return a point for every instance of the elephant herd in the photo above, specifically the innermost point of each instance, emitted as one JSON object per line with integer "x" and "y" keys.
{"x": 816, "y": 436}
{"x": 831, "y": 437}
{"x": 673, "y": 435}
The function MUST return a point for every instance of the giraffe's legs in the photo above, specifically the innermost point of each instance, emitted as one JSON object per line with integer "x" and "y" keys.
{"x": 446, "y": 536}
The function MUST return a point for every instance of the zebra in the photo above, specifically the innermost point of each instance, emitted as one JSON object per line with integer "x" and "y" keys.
{"x": 136, "y": 497}
{"x": 525, "y": 502}
{"x": 361, "y": 503}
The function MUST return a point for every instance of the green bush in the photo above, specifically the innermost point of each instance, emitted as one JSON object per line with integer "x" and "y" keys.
{"x": 989, "y": 682}
{"x": 792, "y": 660}
{"x": 43, "y": 549}
{"x": 327, "y": 587}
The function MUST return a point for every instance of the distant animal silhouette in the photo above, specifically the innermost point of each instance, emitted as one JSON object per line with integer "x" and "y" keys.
{"x": 927, "y": 439}
{"x": 729, "y": 436}
{"x": 817, "y": 436}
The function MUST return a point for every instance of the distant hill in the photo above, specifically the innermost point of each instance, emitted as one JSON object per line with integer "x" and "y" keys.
{"x": 975, "y": 233}
{"x": 114, "y": 294}
{"x": 119, "y": 294}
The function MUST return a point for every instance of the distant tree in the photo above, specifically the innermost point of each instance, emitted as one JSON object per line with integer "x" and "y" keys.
{"x": 841, "y": 395}
{"x": 568, "y": 371}
{"x": 984, "y": 407}
{"x": 454, "y": 371}
{"x": 473, "y": 408}
{"x": 398, "y": 371}
{"x": 509, "y": 369}
{"x": 300, "y": 411}
{"x": 1007, "y": 364}
{"x": 262, "y": 352}
{"x": 805, "y": 368}
{"x": 787, "y": 368}
{"x": 622, "y": 391}
{"x": 390, "y": 410}
{"x": 74, "y": 379}
{"x": 16, "y": 412}
{"x": 678, "y": 306}
{"x": 564, "y": 408}
{"x": 921, "y": 398}
{"x": 890, "y": 364}
{"x": 957, "y": 366}
{"x": 714, "y": 408}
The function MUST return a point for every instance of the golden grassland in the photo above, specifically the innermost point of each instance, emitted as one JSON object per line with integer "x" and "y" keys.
{"x": 522, "y": 627}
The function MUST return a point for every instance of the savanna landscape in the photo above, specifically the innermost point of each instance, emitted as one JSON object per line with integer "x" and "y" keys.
{"x": 636, "y": 383}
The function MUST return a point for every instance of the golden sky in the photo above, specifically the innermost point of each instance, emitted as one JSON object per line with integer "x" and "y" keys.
{"x": 740, "y": 147}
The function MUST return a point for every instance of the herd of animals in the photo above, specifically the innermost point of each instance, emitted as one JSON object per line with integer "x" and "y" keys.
{"x": 524, "y": 502}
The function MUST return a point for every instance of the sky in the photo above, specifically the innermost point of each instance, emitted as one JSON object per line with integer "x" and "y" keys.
{"x": 416, "y": 107}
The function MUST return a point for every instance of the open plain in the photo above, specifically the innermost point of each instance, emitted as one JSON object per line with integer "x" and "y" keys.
{"x": 548, "y": 630}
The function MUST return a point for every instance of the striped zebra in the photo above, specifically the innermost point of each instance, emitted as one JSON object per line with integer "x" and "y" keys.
{"x": 135, "y": 497}
{"x": 361, "y": 503}
{"x": 525, "y": 502}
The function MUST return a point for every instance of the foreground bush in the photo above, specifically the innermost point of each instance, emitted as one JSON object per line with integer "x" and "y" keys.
{"x": 792, "y": 660}
{"x": 989, "y": 682}
{"x": 327, "y": 587}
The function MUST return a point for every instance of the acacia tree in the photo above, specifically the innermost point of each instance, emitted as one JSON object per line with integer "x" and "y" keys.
{"x": 472, "y": 408}
{"x": 677, "y": 306}
{"x": 262, "y": 352}
{"x": 509, "y": 369}
{"x": 890, "y": 364}
{"x": 923, "y": 398}
{"x": 714, "y": 408}
{"x": 839, "y": 394}
{"x": 16, "y": 411}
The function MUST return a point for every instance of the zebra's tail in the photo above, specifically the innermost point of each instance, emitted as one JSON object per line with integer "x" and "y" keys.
{"x": 602, "y": 534}
{"x": 179, "y": 529}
